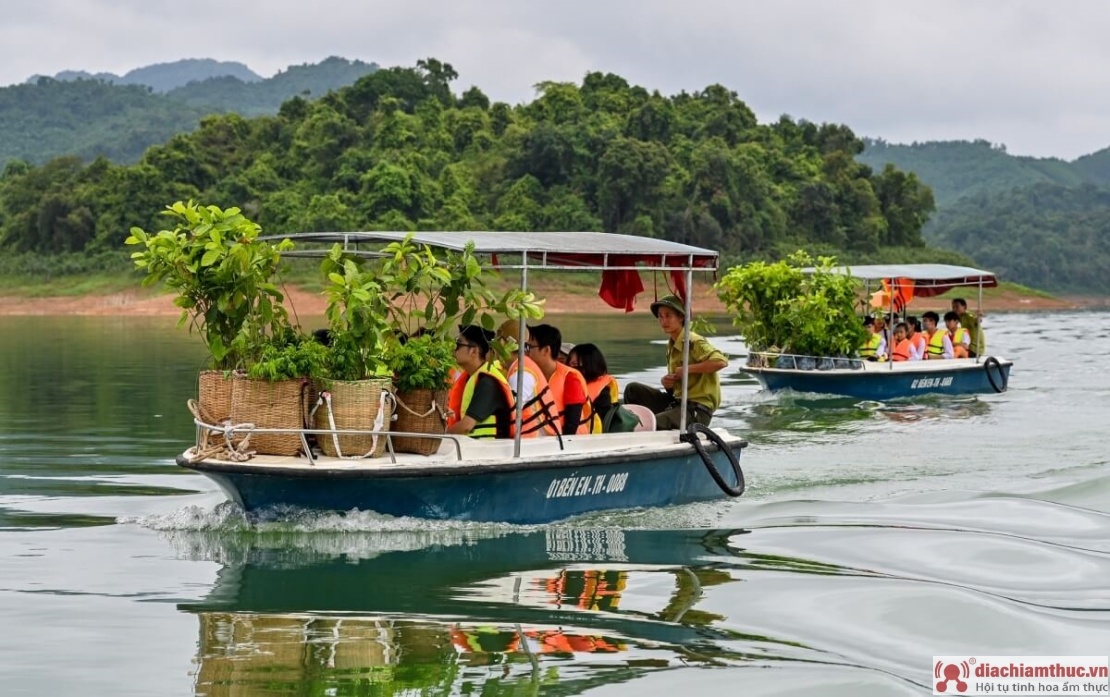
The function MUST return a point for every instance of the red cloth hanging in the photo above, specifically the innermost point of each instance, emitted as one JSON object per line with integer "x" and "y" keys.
{"x": 619, "y": 288}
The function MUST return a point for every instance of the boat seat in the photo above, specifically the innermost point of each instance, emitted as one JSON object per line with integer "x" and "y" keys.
{"x": 645, "y": 415}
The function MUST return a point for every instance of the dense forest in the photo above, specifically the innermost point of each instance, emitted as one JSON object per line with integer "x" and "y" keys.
{"x": 1041, "y": 222}
{"x": 1049, "y": 236}
{"x": 400, "y": 150}
{"x": 90, "y": 118}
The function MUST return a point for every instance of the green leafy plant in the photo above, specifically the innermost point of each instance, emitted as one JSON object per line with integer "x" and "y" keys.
{"x": 423, "y": 362}
{"x": 779, "y": 307}
{"x": 357, "y": 315}
{"x": 289, "y": 357}
{"x": 223, "y": 275}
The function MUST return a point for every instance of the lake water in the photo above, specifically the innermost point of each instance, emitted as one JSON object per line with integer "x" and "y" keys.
{"x": 871, "y": 538}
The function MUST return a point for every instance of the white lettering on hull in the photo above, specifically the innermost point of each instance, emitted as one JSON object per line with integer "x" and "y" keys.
{"x": 588, "y": 485}
{"x": 926, "y": 383}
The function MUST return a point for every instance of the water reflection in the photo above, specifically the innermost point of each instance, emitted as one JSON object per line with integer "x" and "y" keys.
{"x": 502, "y": 613}
{"x": 788, "y": 415}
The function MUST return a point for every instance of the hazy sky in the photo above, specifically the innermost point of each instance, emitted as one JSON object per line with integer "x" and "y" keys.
{"x": 1034, "y": 75}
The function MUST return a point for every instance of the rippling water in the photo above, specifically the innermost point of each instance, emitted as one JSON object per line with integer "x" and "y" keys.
{"x": 872, "y": 537}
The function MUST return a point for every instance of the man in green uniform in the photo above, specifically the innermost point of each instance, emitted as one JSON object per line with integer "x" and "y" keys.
{"x": 972, "y": 324}
{"x": 703, "y": 391}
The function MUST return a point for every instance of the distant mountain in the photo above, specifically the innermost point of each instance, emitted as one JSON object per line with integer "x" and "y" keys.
{"x": 1043, "y": 222}
{"x": 954, "y": 169}
{"x": 90, "y": 117}
{"x": 163, "y": 77}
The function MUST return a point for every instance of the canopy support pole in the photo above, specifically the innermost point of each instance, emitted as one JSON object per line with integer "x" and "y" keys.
{"x": 686, "y": 344}
{"x": 521, "y": 337}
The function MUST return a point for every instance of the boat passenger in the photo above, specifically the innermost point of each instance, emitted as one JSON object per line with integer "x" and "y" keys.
{"x": 937, "y": 344}
{"x": 565, "y": 399}
{"x": 480, "y": 403}
{"x": 601, "y": 387}
{"x": 974, "y": 328}
{"x": 916, "y": 338}
{"x": 874, "y": 348}
{"x": 564, "y": 351}
{"x": 903, "y": 348}
{"x": 703, "y": 388}
{"x": 506, "y": 346}
{"x": 961, "y": 340}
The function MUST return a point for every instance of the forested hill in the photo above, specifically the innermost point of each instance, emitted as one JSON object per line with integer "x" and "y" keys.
{"x": 954, "y": 169}
{"x": 400, "y": 149}
{"x": 1046, "y": 235}
{"x": 163, "y": 77}
{"x": 87, "y": 118}
{"x": 1041, "y": 222}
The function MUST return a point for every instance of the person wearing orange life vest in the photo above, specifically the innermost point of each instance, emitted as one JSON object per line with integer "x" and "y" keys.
{"x": 903, "y": 349}
{"x": 916, "y": 338}
{"x": 937, "y": 343}
{"x": 601, "y": 387}
{"x": 480, "y": 403}
{"x": 960, "y": 337}
{"x": 565, "y": 399}
{"x": 533, "y": 417}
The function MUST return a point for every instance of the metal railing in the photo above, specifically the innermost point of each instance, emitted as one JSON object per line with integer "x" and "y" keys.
{"x": 231, "y": 432}
{"x": 791, "y": 361}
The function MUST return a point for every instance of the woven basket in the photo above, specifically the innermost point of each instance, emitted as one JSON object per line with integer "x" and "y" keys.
{"x": 420, "y": 411}
{"x": 359, "y": 404}
{"x": 214, "y": 395}
{"x": 270, "y": 405}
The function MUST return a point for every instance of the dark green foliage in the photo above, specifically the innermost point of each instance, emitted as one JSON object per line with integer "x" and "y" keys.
{"x": 399, "y": 150}
{"x": 289, "y": 357}
{"x": 422, "y": 363}
{"x": 1046, "y": 236}
{"x": 777, "y": 307}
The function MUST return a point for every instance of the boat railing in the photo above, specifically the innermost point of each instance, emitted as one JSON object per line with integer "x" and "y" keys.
{"x": 792, "y": 361}
{"x": 234, "y": 435}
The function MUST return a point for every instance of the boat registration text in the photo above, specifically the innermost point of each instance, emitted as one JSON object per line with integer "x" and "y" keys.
{"x": 587, "y": 485}
{"x": 923, "y": 383}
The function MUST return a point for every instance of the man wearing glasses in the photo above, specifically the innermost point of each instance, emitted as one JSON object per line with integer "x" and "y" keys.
{"x": 564, "y": 397}
{"x": 480, "y": 404}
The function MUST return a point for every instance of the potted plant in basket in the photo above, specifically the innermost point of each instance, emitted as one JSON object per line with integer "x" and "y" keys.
{"x": 428, "y": 297}
{"x": 778, "y": 308}
{"x": 223, "y": 275}
{"x": 275, "y": 392}
{"x": 355, "y": 383}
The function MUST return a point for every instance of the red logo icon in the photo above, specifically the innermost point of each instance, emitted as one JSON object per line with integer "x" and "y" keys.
{"x": 946, "y": 673}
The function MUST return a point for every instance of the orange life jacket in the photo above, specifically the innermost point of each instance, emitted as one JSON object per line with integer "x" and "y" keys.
{"x": 458, "y": 401}
{"x": 533, "y": 418}
{"x": 555, "y": 387}
{"x": 902, "y": 350}
{"x": 918, "y": 341}
{"x": 594, "y": 390}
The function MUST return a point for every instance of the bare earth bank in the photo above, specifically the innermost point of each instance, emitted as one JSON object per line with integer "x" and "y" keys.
{"x": 142, "y": 303}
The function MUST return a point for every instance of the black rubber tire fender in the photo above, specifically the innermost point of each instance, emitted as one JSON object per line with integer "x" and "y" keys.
{"x": 691, "y": 437}
{"x": 990, "y": 362}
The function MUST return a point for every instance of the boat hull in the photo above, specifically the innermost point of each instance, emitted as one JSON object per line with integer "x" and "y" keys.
{"x": 522, "y": 492}
{"x": 881, "y": 382}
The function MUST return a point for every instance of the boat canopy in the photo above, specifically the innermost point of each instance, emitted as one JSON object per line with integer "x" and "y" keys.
{"x": 928, "y": 279}
{"x": 597, "y": 251}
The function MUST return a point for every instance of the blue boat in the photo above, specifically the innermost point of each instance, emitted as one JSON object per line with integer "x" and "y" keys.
{"x": 884, "y": 380}
{"x": 523, "y": 481}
